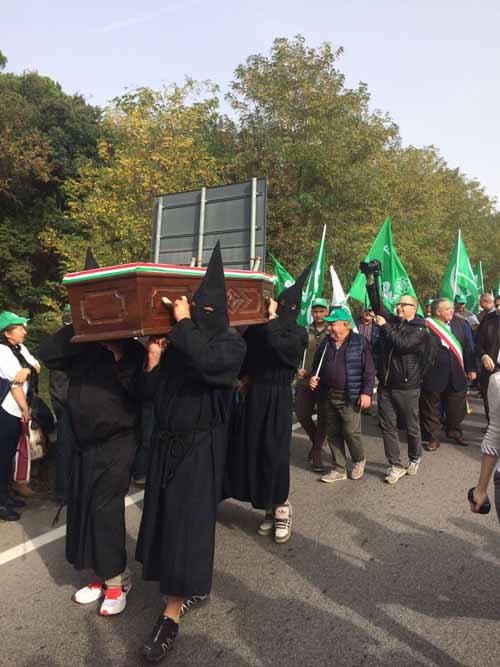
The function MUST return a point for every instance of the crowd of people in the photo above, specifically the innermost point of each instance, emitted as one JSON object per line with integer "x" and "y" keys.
{"x": 214, "y": 406}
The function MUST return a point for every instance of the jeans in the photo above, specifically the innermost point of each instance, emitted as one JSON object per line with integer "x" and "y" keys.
{"x": 343, "y": 426}
{"x": 394, "y": 403}
{"x": 10, "y": 430}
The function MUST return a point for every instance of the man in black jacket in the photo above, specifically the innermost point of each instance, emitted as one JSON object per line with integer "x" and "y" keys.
{"x": 450, "y": 364}
{"x": 488, "y": 349}
{"x": 399, "y": 358}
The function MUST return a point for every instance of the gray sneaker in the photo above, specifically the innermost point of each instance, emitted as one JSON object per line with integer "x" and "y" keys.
{"x": 358, "y": 469}
{"x": 333, "y": 476}
{"x": 412, "y": 467}
{"x": 394, "y": 473}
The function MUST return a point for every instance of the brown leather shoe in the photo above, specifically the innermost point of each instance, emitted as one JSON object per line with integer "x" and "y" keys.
{"x": 431, "y": 446}
{"x": 22, "y": 489}
{"x": 459, "y": 440}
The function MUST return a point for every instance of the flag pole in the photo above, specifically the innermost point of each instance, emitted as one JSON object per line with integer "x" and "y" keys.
{"x": 321, "y": 361}
{"x": 304, "y": 358}
{"x": 457, "y": 264}
{"x": 481, "y": 274}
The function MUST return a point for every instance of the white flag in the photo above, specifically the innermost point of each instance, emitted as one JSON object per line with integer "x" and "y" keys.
{"x": 339, "y": 298}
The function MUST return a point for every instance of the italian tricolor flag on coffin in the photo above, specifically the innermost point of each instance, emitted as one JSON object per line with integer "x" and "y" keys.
{"x": 142, "y": 267}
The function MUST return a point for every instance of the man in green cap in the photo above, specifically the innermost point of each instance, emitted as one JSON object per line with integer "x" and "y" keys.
{"x": 344, "y": 376}
{"x": 305, "y": 399}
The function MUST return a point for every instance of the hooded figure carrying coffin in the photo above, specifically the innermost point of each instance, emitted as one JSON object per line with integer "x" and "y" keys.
{"x": 258, "y": 464}
{"x": 190, "y": 375}
{"x": 104, "y": 417}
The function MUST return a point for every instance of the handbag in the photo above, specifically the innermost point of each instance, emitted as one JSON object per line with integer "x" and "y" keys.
{"x": 22, "y": 467}
{"x": 36, "y": 441}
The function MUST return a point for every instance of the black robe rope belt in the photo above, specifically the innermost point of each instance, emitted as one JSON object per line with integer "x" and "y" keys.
{"x": 174, "y": 448}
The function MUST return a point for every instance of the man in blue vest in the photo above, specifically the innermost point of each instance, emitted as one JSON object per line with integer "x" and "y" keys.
{"x": 345, "y": 380}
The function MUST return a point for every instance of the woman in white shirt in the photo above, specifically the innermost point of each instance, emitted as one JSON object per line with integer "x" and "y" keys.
{"x": 20, "y": 368}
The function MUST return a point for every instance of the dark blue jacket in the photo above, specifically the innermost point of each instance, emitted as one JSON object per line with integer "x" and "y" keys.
{"x": 360, "y": 369}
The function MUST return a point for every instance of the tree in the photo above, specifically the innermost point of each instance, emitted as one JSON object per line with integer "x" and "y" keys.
{"x": 158, "y": 142}
{"x": 44, "y": 136}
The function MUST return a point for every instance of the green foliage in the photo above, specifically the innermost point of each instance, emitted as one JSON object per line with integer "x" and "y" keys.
{"x": 44, "y": 137}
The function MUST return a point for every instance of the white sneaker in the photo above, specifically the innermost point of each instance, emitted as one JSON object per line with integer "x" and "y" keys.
{"x": 282, "y": 523}
{"x": 91, "y": 593}
{"x": 358, "y": 469}
{"x": 267, "y": 526}
{"x": 412, "y": 467}
{"x": 334, "y": 476}
{"x": 115, "y": 600}
{"x": 394, "y": 473}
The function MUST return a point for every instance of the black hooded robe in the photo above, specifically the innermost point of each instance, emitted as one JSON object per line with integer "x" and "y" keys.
{"x": 104, "y": 418}
{"x": 192, "y": 387}
{"x": 258, "y": 461}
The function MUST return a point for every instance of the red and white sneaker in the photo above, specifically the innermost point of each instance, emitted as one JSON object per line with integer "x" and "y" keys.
{"x": 115, "y": 600}
{"x": 90, "y": 593}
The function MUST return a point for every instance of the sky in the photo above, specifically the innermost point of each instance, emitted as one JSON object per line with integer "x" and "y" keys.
{"x": 433, "y": 66}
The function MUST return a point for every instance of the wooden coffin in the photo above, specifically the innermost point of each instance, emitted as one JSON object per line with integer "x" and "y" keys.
{"x": 126, "y": 301}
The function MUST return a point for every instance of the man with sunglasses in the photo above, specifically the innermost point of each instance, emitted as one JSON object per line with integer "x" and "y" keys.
{"x": 400, "y": 360}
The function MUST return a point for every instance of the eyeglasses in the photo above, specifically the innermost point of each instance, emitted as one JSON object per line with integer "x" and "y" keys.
{"x": 404, "y": 303}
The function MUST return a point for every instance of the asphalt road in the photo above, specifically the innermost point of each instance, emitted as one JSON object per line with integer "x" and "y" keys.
{"x": 374, "y": 575}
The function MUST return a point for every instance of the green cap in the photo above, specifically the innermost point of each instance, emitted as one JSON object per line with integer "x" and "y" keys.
{"x": 338, "y": 315}
{"x": 67, "y": 308}
{"x": 429, "y": 302}
{"x": 319, "y": 303}
{"x": 7, "y": 319}
{"x": 460, "y": 298}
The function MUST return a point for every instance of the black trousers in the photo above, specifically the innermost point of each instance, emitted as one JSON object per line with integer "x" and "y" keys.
{"x": 10, "y": 430}
{"x": 455, "y": 409}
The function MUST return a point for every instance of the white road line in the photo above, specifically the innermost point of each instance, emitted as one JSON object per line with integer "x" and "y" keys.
{"x": 56, "y": 534}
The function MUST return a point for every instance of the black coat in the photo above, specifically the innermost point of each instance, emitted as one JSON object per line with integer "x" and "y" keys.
{"x": 400, "y": 350}
{"x": 105, "y": 419}
{"x": 192, "y": 389}
{"x": 258, "y": 462}
{"x": 444, "y": 369}
{"x": 488, "y": 337}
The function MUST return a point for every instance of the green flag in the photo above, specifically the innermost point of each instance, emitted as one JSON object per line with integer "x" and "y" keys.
{"x": 314, "y": 287}
{"x": 394, "y": 279}
{"x": 478, "y": 274}
{"x": 283, "y": 278}
{"x": 459, "y": 279}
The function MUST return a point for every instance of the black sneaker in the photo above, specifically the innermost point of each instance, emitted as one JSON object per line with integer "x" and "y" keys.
{"x": 194, "y": 601}
{"x": 7, "y": 513}
{"x": 162, "y": 639}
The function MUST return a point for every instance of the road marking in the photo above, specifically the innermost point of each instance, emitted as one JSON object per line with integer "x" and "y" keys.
{"x": 56, "y": 534}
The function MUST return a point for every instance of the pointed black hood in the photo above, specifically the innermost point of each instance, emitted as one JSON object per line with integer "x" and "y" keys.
{"x": 209, "y": 305}
{"x": 90, "y": 261}
{"x": 290, "y": 299}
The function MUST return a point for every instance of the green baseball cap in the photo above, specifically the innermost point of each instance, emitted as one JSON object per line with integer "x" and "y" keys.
{"x": 67, "y": 308}
{"x": 8, "y": 319}
{"x": 460, "y": 298}
{"x": 319, "y": 303}
{"x": 429, "y": 302}
{"x": 338, "y": 315}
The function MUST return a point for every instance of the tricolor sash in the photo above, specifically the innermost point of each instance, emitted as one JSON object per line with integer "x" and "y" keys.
{"x": 446, "y": 336}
